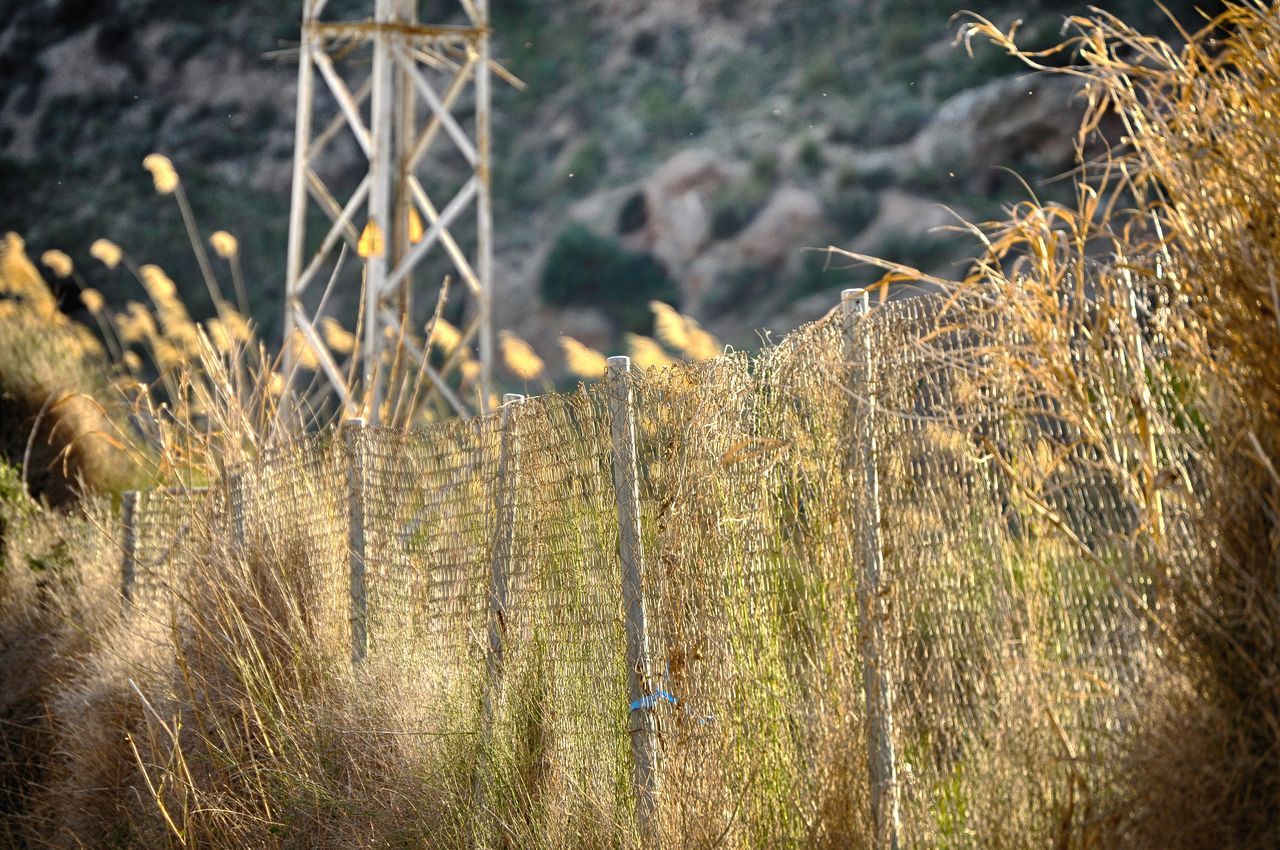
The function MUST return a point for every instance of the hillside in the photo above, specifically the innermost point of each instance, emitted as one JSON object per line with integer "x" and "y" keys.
{"x": 720, "y": 139}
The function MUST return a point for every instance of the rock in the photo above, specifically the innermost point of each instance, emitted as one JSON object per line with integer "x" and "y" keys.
{"x": 903, "y": 214}
{"x": 1004, "y": 122}
{"x": 789, "y": 221}
{"x": 677, "y": 215}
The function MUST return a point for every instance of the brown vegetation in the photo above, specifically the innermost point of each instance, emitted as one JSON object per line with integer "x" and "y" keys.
{"x": 1147, "y": 319}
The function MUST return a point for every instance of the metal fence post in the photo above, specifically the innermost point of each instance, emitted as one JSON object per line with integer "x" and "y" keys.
{"x": 881, "y": 758}
{"x": 129, "y": 555}
{"x": 352, "y": 430}
{"x": 626, "y": 486}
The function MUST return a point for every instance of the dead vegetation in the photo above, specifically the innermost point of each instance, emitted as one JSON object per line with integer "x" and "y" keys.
{"x": 1147, "y": 318}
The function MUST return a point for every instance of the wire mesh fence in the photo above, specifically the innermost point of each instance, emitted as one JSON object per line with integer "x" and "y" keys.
{"x": 162, "y": 534}
{"x": 882, "y": 592}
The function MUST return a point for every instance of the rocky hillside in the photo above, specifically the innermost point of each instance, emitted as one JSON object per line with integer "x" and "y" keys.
{"x": 684, "y": 149}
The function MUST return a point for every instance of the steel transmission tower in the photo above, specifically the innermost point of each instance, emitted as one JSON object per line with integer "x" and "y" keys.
{"x": 391, "y": 82}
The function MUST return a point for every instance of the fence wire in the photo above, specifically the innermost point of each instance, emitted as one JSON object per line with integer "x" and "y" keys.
{"x": 745, "y": 510}
{"x": 168, "y": 537}
{"x": 1007, "y": 626}
{"x": 1012, "y": 631}
{"x": 287, "y": 524}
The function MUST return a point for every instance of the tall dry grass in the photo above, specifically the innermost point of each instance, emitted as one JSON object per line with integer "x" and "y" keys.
{"x": 1149, "y": 315}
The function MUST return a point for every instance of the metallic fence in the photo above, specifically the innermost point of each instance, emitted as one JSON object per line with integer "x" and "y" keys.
{"x": 850, "y": 586}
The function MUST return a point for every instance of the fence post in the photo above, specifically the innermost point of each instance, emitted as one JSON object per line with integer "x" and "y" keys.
{"x": 129, "y": 555}
{"x": 508, "y": 469}
{"x": 881, "y": 758}
{"x": 626, "y": 486}
{"x": 500, "y": 572}
{"x": 351, "y": 438}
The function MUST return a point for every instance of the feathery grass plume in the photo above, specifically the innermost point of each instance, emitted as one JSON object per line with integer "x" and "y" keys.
{"x": 166, "y": 183}
{"x": 228, "y": 248}
{"x": 445, "y": 336}
{"x": 224, "y": 244}
{"x": 519, "y": 357}
{"x": 702, "y": 345}
{"x": 132, "y": 361}
{"x": 92, "y": 300}
{"x": 20, "y": 278}
{"x": 581, "y": 360}
{"x": 371, "y": 243}
{"x": 106, "y": 252}
{"x": 159, "y": 285}
{"x": 469, "y": 369}
{"x": 86, "y": 340}
{"x": 646, "y": 353}
{"x": 669, "y": 326}
{"x": 58, "y": 262}
{"x": 301, "y": 351}
{"x": 168, "y": 355}
{"x": 162, "y": 171}
{"x": 235, "y": 324}
{"x": 219, "y": 336}
{"x": 137, "y": 323}
{"x": 416, "y": 230}
{"x": 338, "y": 338}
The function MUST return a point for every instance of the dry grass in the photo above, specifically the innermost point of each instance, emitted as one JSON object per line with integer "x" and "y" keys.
{"x": 1146, "y": 319}
{"x": 1177, "y": 399}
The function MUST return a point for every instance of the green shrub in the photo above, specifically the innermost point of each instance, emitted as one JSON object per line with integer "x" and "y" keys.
{"x": 734, "y": 207}
{"x": 588, "y": 270}
{"x": 666, "y": 114}
{"x": 884, "y": 115}
{"x": 764, "y": 166}
{"x": 852, "y": 208}
{"x": 821, "y": 74}
{"x": 924, "y": 251}
{"x": 810, "y": 156}
{"x": 735, "y": 83}
{"x": 589, "y": 163}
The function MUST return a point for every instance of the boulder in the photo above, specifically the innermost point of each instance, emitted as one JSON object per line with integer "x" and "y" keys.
{"x": 677, "y": 215}
{"x": 1009, "y": 121}
{"x": 791, "y": 219}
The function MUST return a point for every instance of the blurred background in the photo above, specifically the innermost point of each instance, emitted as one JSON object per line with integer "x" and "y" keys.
{"x": 682, "y": 150}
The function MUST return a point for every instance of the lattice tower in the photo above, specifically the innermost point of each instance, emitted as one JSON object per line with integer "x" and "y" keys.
{"x": 392, "y": 82}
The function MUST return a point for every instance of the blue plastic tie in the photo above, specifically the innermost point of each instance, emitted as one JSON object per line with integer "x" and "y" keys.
{"x": 649, "y": 701}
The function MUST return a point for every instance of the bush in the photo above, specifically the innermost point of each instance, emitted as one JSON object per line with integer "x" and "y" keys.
{"x": 810, "y": 156}
{"x": 588, "y": 270}
{"x": 666, "y": 114}
{"x": 886, "y": 115}
{"x": 852, "y": 208}
{"x": 734, "y": 206}
{"x": 589, "y": 163}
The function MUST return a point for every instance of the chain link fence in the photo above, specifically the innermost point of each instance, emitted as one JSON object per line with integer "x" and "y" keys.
{"x": 851, "y": 586}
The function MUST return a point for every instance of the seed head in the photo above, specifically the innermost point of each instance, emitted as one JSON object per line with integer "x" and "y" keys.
{"x": 224, "y": 244}
{"x": 162, "y": 172}
{"x": 58, "y": 262}
{"x": 581, "y": 360}
{"x": 106, "y": 252}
